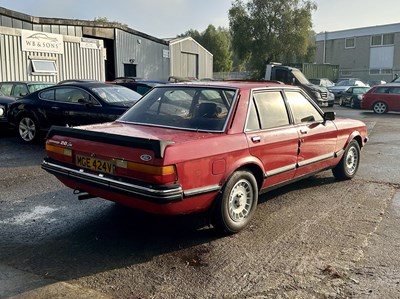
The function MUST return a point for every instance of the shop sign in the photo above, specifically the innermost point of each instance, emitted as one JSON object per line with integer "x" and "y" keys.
{"x": 90, "y": 43}
{"x": 42, "y": 42}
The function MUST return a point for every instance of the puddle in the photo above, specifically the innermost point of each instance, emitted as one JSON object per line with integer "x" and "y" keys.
{"x": 38, "y": 213}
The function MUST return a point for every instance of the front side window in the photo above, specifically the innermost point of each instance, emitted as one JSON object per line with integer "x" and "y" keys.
{"x": 20, "y": 90}
{"x": 193, "y": 108}
{"x": 302, "y": 109}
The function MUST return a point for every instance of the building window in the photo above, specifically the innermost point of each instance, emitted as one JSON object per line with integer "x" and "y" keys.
{"x": 388, "y": 39}
{"x": 380, "y": 71}
{"x": 44, "y": 66}
{"x": 382, "y": 39}
{"x": 350, "y": 43}
{"x": 346, "y": 73}
{"x": 129, "y": 70}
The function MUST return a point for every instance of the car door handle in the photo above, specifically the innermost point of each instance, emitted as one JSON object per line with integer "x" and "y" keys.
{"x": 256, "y": 139}
{"x": 55, "y": 108}
{"x": 302, "y": 131}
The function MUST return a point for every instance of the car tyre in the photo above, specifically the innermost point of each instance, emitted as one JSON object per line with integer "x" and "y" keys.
{"x": 28, "y": 129}
{"x": 380, "y": 108}
{"x": 347, "y": 167}
{"x": 237, "y": 204}
{"x": 352, "y": 104}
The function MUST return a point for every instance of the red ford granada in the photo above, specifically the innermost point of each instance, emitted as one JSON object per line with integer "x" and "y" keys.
{"x": 214, "y": 147}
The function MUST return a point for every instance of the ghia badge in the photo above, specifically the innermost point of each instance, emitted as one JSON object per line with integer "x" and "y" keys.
{"x": 145, "y": 157}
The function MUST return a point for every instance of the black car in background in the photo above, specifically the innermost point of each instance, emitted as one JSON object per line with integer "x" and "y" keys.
{"x": 140, "y": 86}
{"x": 352, "y": 96}
{"x": 69, "y": 105}
{"x": 18, "y": 89}
{"x": 5, "y": 101}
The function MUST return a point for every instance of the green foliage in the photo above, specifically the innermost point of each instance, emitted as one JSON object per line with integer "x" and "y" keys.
{"x": 105, "y": 21}
{"x": 271, "y": 30}
{"x": 217, "y": 42}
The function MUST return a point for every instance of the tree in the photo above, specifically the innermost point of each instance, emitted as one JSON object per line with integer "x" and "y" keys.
{"x": 217, "y": 42}
{"x": 270, "y": 30}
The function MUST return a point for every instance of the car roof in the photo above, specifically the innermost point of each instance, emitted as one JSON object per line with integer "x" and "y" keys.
{"x": 234, "y": 84}
{"x": 89, "y": 84}
{"x": 27, "y": 82}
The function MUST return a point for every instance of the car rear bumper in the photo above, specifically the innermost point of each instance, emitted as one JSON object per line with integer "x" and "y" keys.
{"x": 153, "y": 193}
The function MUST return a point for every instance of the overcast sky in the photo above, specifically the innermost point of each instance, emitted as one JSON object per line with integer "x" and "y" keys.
{"x": 168, "y": 18}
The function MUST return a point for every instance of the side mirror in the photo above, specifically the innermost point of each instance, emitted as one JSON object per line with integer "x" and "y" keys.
{"x": 329, "y": 115}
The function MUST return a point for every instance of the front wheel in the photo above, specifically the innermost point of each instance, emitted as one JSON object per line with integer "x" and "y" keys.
{"x": 380, "y": 108}
{"x": 28, "y": 129}
{"x": 352, "y": 104}
{"x": 237, "y": 203}
{"x": 347, "y": 167}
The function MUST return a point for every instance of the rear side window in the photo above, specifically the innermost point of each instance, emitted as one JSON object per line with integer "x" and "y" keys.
{"x": 395, "y": 90}
{"x": 20, "y": 90}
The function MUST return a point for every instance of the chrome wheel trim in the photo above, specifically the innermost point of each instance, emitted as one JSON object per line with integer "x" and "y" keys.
{"x": 380, "y": 107}
{"x": 352, "y": 160}
{"x": 241, "y": 199}
{"x": 27, "y": 129}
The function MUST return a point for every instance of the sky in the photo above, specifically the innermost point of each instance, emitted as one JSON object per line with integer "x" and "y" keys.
{"x": 168, "y": 18}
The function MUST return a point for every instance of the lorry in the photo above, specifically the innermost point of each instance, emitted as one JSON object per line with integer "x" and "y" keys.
{"x": 293, "y": 76}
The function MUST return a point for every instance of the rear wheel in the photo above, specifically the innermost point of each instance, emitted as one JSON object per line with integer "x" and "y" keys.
{"x": 28, "y": 129}
{"x": 237, "y": 203}
{"x": 380, "y": 107}
{"x": 347, "y": 167}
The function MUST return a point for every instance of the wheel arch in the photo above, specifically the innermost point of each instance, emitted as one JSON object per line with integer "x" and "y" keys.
{"x": 354, "y": 136}
{"x": 253, "y": 166}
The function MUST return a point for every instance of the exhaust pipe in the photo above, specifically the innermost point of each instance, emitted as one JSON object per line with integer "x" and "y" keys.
{"x": 83, "y": 195}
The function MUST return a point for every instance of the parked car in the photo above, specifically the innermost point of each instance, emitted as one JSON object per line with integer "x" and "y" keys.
{"x": 5, "y": 101}
{"x": 325, "y": 82}
{"x": 78, "y": 81}
{"x": 69, "y": 104}
{"x": 205, "y": 147}
{"x": 18, "y": 89}
{"x": 375, "y": 82}
{"x": 140, "y": 86}
{"x": 352, "y": 96}
{"x": 341, "y": 86}
{"x": 382, "y": 98}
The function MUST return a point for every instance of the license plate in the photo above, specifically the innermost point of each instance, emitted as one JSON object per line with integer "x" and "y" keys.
{"x": 324, "y": 104}
{"x": 95, "y": 164}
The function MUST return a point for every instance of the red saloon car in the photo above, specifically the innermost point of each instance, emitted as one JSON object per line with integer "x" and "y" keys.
{"x": 205, "y": 146}
{"x": 382, "y": 98}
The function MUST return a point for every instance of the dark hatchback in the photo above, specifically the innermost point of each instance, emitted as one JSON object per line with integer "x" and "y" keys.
{"x": 353, "y": 96}
{"x": 69, "y": 105}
